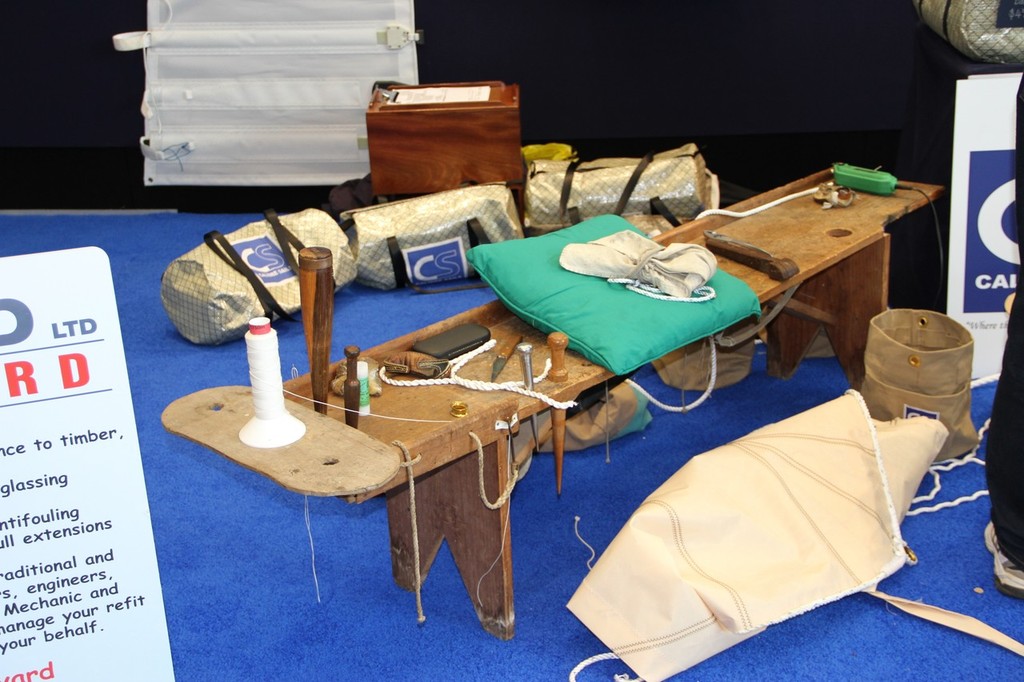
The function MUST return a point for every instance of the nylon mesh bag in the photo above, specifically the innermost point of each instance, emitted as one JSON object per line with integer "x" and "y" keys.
{"x": 211, "y": 292}
{"x": 673, "y": 185}
{"x": 972, "y": 28}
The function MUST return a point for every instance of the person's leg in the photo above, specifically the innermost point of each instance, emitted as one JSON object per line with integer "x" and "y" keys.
{"x": 1004, "y": 453}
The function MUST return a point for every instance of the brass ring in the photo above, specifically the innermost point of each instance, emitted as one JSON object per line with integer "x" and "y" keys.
{"x": 914, "y": 360}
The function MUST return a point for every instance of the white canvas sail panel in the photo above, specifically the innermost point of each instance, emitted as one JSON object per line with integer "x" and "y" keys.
{"x": 257, "y": 92}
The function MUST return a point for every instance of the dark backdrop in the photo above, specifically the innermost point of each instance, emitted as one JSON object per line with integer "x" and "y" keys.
{"x": 770, "y": 92}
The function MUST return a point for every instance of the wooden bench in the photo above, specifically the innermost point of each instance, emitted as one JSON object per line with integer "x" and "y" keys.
{"x": 843, "y": 258}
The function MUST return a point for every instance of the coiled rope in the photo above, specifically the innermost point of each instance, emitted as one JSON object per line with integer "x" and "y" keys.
{"x": 454, "y": 379}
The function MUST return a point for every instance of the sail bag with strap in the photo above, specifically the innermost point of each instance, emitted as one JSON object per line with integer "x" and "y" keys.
{"x": 424, "y": 240}
{"x": 211, "y": 292}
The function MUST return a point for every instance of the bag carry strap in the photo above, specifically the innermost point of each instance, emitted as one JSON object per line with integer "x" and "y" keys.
{"x": 565, "y": 214}
{"x": 285, "y": 239}
{"x": 952, "y": 619}
{"x": 631, "y": 184}
{"x": 658, "y": 206}
{"x": 219, "y": 244}
{"x": 397, "y": 263}
{"x": 477, "y": 236}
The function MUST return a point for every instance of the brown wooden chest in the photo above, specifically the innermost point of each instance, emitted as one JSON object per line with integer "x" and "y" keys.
{"x": 429, "y": 146}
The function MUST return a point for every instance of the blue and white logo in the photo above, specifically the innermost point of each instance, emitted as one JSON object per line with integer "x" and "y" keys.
{"x": 991, "y": 250}
{"x": 911, "y": 411}
{"x": 436, "y": 262}
{"x": 265, "y": 259}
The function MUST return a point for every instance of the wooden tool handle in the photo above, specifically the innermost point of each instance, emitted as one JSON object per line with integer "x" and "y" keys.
{"x": 507, "y": 347}
{"x": 351, "y": 389}
{"x": 557, "y": 343}
{"x": 316, "y": 296}
{"x": 777, "y": 268}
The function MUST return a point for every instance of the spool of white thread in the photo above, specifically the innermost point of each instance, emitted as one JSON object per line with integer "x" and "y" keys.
{"x": 271, "y": 426}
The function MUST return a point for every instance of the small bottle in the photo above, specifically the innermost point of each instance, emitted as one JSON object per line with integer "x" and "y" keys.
{"x": 363, "y": 374}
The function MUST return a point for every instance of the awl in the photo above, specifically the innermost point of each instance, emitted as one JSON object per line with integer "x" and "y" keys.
{"x": 750, "y": 255}
{"x": 505, "y": 350}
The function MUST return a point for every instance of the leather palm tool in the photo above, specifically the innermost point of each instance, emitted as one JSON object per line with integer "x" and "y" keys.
{"x": 750, "y": 255}
{"x": 417, "y": 364}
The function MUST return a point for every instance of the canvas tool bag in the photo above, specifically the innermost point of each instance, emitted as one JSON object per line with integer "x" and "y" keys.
{"x": 674, "y": 185}
{"x": 211, "y": 292}
{"x": 622, "y": 411}
{"x": 689, "y": 368}
{"x": 423, "y": 240}
{"x": 983, "y": 30}
{"x": 792, "y": 516}
{"x": 918, "y": 362}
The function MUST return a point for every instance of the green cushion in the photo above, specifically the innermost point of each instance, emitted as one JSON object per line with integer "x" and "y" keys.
{"x": 606, "y": 323}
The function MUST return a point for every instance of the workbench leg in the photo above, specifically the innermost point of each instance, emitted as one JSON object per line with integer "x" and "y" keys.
{"x": 448, "y": 506}
{"x": 842, "y": 299}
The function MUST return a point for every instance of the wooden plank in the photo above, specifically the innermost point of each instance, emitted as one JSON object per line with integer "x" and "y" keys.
{"x": 815, "y": 238}
{"x": 449, "y": 508}
{"x": 331, "y": 459}
{"x": 421, "y": 417}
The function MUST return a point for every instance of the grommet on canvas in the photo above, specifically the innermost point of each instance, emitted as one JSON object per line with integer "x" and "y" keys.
{"x": 459, "y": 409}
{"x": 914, "y": 360}
{"x": 922, "y": 321}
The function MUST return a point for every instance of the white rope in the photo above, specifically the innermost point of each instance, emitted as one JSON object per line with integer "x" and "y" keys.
{"x": 622, "y": 677}
{"x": 971, "y": 457}
{"x": 454, "y": 379}
{"x": 684, "y": 408}
{"x": 948, "y": 465}
{"x": 593, "y": 553}
{"x": 701, "y": 294}
{"x": 757, "y": 209}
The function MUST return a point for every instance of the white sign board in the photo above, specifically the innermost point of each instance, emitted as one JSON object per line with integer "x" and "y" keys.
{"x": 79, "y": 585}
{"x": 983, "y": 253}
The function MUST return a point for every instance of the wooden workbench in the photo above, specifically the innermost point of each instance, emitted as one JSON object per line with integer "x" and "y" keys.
{"x": 842, "y": 254}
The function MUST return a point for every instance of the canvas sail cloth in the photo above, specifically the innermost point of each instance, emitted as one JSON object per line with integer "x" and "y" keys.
{"x": 795, "y": 515}
{"x": 677, "y": 269}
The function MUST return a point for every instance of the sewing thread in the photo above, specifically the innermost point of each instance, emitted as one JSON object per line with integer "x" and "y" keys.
{"x": 271, "y": 426}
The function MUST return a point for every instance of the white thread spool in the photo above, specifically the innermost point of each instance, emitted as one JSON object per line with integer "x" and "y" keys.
{"x": 271, "y": 426}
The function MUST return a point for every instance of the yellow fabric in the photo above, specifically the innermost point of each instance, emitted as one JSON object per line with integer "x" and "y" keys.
{"x": 554, "y": 151}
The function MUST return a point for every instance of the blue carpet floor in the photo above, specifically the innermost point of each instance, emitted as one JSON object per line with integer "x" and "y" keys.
{"x": 235, "y": 559}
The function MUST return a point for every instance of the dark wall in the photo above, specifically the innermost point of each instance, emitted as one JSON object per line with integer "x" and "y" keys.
{"x": 769, "y": 91}
{"x": 658, "y": 69}
{"x": 65, "y": 86}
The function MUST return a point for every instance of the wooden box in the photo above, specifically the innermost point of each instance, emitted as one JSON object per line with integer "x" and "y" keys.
{"x": 420, "y": 148}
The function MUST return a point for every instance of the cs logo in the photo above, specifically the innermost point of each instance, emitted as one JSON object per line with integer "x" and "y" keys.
{"x": 265, "y": 259}
{"x": 436, "y": 262}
